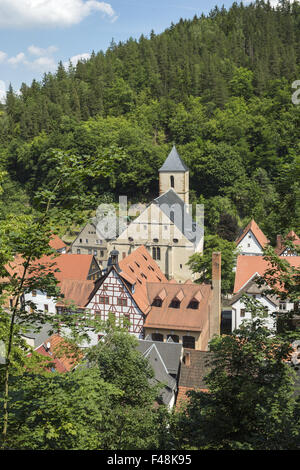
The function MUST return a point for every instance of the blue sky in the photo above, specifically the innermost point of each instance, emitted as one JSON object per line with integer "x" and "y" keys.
{"x": 36, "y": 34}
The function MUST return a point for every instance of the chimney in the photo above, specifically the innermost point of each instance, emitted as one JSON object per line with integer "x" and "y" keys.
{"x": 187, "y": 359}
{"x": 215, "y": 308}
{"x": 279, "y": 244}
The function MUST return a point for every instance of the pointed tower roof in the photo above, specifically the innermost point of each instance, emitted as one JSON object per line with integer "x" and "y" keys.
{"x": 173, "y": 163}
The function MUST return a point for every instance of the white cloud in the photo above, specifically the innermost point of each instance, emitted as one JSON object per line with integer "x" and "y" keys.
{"x": 18, "y": 59}
{"x": 50, "y": 13}
{"x": 74, "y": 60}
{"x": 3, "y": 56}
{"x": 43, "y": 64}
{"x": 38, "y": 51}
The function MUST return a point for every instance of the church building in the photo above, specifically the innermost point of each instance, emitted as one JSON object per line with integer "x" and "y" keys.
{"x": 166, "y": 227}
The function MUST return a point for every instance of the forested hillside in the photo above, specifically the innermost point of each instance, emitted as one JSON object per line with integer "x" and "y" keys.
{"x": 218, "y": 86}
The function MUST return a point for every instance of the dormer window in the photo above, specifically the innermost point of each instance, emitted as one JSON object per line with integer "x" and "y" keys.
{"x": 172, "y": 181}
{"x": 194, "y": 304}
{"x": 157, "y": 302}
{"x": 175, "y": 303}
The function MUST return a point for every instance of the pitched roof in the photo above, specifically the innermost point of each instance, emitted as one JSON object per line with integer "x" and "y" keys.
{"x": 68, "y": 266}
{"x": 63, "y": 362}
{"x": 76, "y": 291}
{"x": 140, "y": 268}
{"x": 291, "y": 236}
{"x": 56, "y": 243}
{"x": 174, "y": 207}
{"x": 251, "y": 287}
{"x": 193, "y": 375}
{"x": 173, "y": 163}
{"x": 170, "y": 353}
{"x": 257, "y": 232}
{"x": 161, "y": 374}
{"x": 248, "y": 266}
{"x": 183, "y": 317}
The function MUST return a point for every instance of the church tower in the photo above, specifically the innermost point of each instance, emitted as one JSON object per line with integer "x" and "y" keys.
{"x": 174, "y": 174}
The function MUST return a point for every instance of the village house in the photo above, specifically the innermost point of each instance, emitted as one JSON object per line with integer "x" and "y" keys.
{"x": 65, "y": 267}
{"x": 282, "y": 250}
{"x": 90, "y": 241}
{"x": 248, "y": 270}
{"x": 251, "y": 241}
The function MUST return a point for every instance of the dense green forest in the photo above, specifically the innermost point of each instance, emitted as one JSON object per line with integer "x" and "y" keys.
{"x": 219, "y": 86}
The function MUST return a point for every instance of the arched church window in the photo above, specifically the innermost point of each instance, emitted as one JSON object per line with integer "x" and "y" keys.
{"x": 172, "y": 181}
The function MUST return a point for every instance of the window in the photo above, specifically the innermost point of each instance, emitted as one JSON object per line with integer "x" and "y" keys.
{"x": 90, "y": 251}
{"x": 172, "y": 181}
{"x": 194, "y": 304}
{"x": 156, "y": 253}
{"x": 122, "y": 302}
{"x": 175, "y": 240}
{"x": 242, "y": 314}
{"x": 34, "y": 293}
{"x": 78, "y": 251}
{"x": 180, "y": 266}
{"x": 11, "y": 303}
{"x": 157, "y": 302}
{"x": 175, "y": 303}
{"x": 104, "y": 300}
{"x": 80, "y": 240}
{"x": 101, "y": 253}
{"x": 282, "y": 306}
{"x": 188, "y": 342}
{"x": 95, "y": 252}
{"x": 97, "y": 313}
{"x": 46, "y": 308}
{"x": 157, "y": 337}
{"x": 174, "y": 338}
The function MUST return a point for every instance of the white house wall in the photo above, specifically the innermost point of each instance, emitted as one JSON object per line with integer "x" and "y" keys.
{"x": 239, "y": 305}
{"x": 249, "y": 245}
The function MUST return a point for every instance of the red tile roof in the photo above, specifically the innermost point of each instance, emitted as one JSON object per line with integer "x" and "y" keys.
{"x": 257, "y": 232}
{"x": 63, "y": 361}
{"x": 293, "y": 237}
{"x": 248, "y": 266}
{"x": 140, "y": 268}
{"x": 77, "y": 292}
{"x": 70, "y": 266}
{"x": 56, "y": 243}
{"x": 182, "y": 318}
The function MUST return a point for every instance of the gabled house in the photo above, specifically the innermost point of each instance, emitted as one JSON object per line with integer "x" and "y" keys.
{"x": 165, "y": 361}
{"x": 248, "y": 270}
{"x": 251, "y": 241}
{"x": 282, "y": 250}
{"x": 90, "y": 241}
{"x": 64, "y": 266}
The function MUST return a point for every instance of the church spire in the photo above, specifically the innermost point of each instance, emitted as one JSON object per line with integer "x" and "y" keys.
{"x": 174, "y": 174}
{"x": 173, "y": 163}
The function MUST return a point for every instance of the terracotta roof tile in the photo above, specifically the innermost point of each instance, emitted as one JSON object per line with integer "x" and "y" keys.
{"x": 183, "y": 317}
{"x": 63, "y": 362}
{"x": 56, "y": 243}
{"x": 257, "y": 232}
{"x": 248, "y": 266}
{"x": 134, "y": 269}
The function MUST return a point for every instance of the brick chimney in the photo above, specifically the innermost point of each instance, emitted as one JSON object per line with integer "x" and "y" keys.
{"x": 215, "y": 307}
{"x": 279, "y": 244}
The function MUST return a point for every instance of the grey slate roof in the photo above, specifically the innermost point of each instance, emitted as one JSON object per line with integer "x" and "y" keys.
{"x": 161, "y": 374}
{"x": 39, "y": 337}
{"x": 170, "y": 202}
{"x": 170, "y": 353}
{"x": 173, "y": 163}
{"x": 192, "y": 376}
